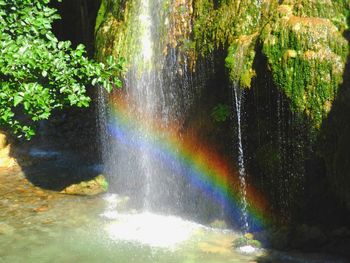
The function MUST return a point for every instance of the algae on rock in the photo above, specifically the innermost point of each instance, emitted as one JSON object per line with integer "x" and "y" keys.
{"x": 302, "y": 40}
{"x": 307, "y": 56}
{"x": 95, "y": 186}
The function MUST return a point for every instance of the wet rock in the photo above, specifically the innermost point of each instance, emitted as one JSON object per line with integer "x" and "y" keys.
{"x": 3, "y": 141}
{"x": 40, "y": 209}
{"x": 278, "y": 238}
{"x": 95, "y": 186}
{"x": 246, "y": 240}
{"x": 342, "y": 232}
{"x": 308, "y": 237}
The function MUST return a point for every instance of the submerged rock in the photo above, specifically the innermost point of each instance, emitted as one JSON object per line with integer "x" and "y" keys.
{"x": 6, "y": 229}
{"x": 95, "y": 186}
{"x": 246, "y": 241}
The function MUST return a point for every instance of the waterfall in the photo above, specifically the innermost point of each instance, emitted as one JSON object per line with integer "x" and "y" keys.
{"x": 136, "y": 170}
{"x": 150, "y": 151}
{"x": 238, "y": 95}
{"x": 158, "y": 93}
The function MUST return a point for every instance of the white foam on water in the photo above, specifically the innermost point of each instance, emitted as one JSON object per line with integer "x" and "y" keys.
{"x": 150, "y": 229}
{"x": 247, "y": 249}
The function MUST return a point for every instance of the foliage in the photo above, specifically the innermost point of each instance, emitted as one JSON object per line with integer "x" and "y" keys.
{"x": 221, "y": 112}
{"x": 38, "y": 73}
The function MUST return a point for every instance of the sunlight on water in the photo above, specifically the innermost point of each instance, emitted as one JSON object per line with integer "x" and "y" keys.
{"x": 151, "y": 229}
{"x": 147, "y": 228}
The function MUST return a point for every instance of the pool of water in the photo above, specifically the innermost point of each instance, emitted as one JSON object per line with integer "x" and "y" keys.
{"x": 44, "y": 226}
{"x": 38, "y": 226}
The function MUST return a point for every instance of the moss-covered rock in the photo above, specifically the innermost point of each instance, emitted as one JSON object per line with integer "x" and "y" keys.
{"x": 95, "y": 186}
{"x": 307, "y": 56}
{"x": 301, "y": 43}
{"x": 302, "y": 40}
{"x": 246, "y": 240}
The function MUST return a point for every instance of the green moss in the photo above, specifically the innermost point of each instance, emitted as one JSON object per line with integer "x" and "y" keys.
{"x": 100, "y": 15}
{"x": 221, "y": 113}
{"x": 234, "y": 25}
{"x": 215, "y": 28}
{"x": 302, "y": 40}
{"x": 119, "y": 32}
{"x": 115, "y": 32}
{"x": 239, "y": 60}
{"x": 244, "y": 241}
{"x": 336, "y": 11}
{"x": 307, "y": 57}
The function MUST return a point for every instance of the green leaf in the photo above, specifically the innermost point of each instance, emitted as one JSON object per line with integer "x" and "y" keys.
{"x": 40, "y": 73}
{"x": 17, "y": 99}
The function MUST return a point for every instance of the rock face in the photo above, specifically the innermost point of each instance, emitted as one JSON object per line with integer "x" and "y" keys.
{"x": 290, "y": 56}
{"x": 95, "y": 186}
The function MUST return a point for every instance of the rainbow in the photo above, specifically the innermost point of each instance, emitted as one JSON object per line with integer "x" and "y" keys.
{"x": 205, "y": 169}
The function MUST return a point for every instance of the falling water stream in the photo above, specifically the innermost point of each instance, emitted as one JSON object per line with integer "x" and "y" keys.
{"x": 239, "y": 99}
{"x": 157, "y": 93}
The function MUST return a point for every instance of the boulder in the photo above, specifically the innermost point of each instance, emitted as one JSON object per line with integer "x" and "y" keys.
{"x": 95, "y": 186}
{"x": 246, "y": 240}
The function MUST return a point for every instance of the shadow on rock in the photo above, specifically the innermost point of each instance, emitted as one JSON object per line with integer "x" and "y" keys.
{"x": 55, "y": 170}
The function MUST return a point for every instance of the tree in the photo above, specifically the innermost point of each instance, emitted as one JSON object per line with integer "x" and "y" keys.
{"x": 38, "y": 73}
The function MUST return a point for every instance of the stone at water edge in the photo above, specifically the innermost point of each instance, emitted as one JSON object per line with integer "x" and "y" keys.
{"x": 95, "y": 186}
{"x": 3, "y": 141}
{"x": 249, "y": 236}
{"x": 247, "y": 242}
